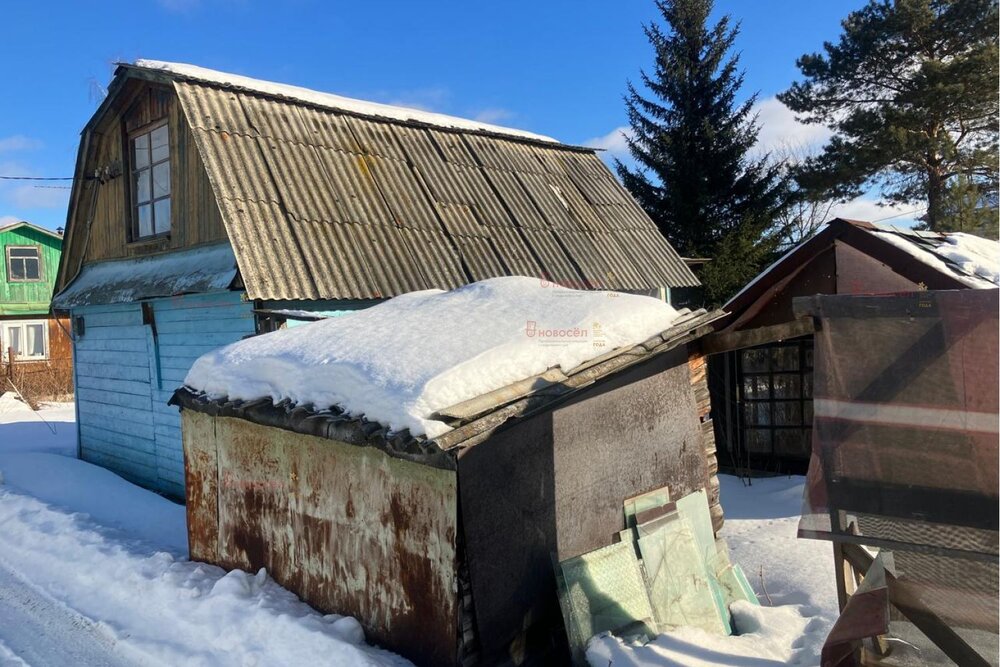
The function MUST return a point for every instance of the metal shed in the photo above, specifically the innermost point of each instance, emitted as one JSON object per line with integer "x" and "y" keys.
{"x": 443, "y": 549}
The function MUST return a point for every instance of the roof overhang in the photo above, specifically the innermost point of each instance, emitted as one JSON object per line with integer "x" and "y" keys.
{"x": 198, "y": 270}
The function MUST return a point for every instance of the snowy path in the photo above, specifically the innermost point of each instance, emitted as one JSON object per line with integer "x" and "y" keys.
{"x": 94, "y": 571}
{"x": 36, "y": 630}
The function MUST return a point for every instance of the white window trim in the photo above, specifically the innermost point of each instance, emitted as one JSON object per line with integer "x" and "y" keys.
{"x": 6, "y": 325}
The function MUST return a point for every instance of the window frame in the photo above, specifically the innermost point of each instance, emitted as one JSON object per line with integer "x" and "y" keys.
{"x": 23, "y": 325}
{"x": 134, "y": 235}
{"x": 41, "y": 265}
{"x": 804, "y": 372}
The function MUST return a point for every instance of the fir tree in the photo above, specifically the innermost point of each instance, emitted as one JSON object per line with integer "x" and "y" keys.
{"x": 692, "y": 140}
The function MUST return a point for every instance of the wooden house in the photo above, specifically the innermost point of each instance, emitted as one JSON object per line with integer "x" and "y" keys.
{"x": 35, "y": 356}
{"x": 761, "y": 368}
{"x": 209, "y": 206}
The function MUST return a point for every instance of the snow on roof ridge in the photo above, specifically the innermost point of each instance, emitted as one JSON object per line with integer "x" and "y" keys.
{"x": 332, "y": 101}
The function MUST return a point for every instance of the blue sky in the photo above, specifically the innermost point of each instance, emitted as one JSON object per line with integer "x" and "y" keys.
{"x": 555, "y": 67}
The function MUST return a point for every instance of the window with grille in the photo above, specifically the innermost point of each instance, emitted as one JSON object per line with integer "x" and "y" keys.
{"x": 24, "y": 264}
{"x": 149, "y": 152}
{"x": 776, "y": 398}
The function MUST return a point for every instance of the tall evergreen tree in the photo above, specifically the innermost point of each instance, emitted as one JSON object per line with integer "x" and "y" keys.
{"x": 911, "y": 93}
{"x": 692, "y": 140}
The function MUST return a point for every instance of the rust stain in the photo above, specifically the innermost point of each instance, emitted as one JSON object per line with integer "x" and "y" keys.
{"x": 347, "y": 528}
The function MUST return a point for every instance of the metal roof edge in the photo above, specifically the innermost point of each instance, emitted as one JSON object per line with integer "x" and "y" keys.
{"x": 329, "y": 424}
{"x": 24, "y": 223}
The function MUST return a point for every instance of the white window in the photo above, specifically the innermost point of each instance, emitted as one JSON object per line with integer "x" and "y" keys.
{"x": 28, "y": 339}
{"x": 150, "y": 155}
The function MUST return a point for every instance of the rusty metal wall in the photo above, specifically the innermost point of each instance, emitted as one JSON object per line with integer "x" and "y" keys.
{"x": 349, "y": 529}
{"x": 552, "y": 486}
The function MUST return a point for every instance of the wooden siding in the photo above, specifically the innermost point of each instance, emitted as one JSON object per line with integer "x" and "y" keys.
{"x": 28, "y": 298}
{"x": 195, "y": 215}
{"x": 125, "y": 376}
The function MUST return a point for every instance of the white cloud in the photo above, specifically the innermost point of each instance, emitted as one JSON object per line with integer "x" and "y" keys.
{"x": 8, "y": 220}
{"x": 495, "y": 115}
{"x": 19, "y": 142}
{"x": 32, "y": 196}
{"x": 613, "y": 144}
{"x": 780, "y": 130}
{"x": 872, "y": 210}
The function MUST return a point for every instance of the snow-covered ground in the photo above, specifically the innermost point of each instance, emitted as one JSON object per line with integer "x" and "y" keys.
{"x": 94, "y": 571}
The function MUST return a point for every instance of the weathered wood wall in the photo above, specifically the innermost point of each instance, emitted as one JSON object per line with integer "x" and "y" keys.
{"x": 126, "y": 375}
{"x": 195, "y": 215}
{"x": 553, "y": 486}
{"x": 698, "y": 367}
{"x": 348, "y": 528}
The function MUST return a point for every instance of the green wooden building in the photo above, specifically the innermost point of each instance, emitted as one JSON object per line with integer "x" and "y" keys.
{"x": 36, "y": 341}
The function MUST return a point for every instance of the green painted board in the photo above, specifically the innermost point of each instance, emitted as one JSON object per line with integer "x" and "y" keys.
{"x": 646, "y": 501}
{"x": 679, "y": 583}
{"x": 604, "y": 591}
{"x": 694, "y": 508}
{"x": 28, "y": 297}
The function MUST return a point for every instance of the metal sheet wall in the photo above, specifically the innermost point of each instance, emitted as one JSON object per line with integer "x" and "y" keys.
{"x": 348, "y": 528}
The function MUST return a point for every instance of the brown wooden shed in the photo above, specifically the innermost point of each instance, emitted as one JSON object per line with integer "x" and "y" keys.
{"x": 443, "y": 549}
{"x": 760, "y": 368}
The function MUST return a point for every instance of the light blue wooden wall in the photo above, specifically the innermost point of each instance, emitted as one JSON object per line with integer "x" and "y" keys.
{"x": 125, "y": 377}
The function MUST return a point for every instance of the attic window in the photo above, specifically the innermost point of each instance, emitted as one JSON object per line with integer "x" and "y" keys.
{"x": 149, "y": 151}
{"x": 23, "y": 264}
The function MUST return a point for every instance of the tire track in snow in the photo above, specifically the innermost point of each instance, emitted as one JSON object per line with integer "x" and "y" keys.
{"x": 37, "y": 631}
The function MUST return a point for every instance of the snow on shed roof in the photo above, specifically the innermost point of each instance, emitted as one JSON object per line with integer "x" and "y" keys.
{"x": 331, "y": 101}
{"x": 973, "y": 260}
{"x": 959, "y": 259}
{"x": 407, "y": 362}
{"x": 210, "y": 268}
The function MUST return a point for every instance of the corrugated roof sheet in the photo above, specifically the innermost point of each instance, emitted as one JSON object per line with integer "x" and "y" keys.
{"x": 323, "y": 204}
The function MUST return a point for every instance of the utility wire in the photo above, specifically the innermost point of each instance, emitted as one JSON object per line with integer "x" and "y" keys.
{"x": 36, "y": 178}
{"x": 899, "y": 215}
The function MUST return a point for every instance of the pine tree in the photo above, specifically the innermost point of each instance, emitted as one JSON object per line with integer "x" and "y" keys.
{"x": 911, "y": 92}
{"x": 692, "y": 140}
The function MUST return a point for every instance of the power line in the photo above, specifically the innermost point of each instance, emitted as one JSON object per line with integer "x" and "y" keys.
{"x": 899, "y": 215}
{"x": 36, "y": 178}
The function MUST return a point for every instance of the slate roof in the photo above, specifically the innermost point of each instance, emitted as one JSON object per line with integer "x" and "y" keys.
{"x": 323, "y": 202}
